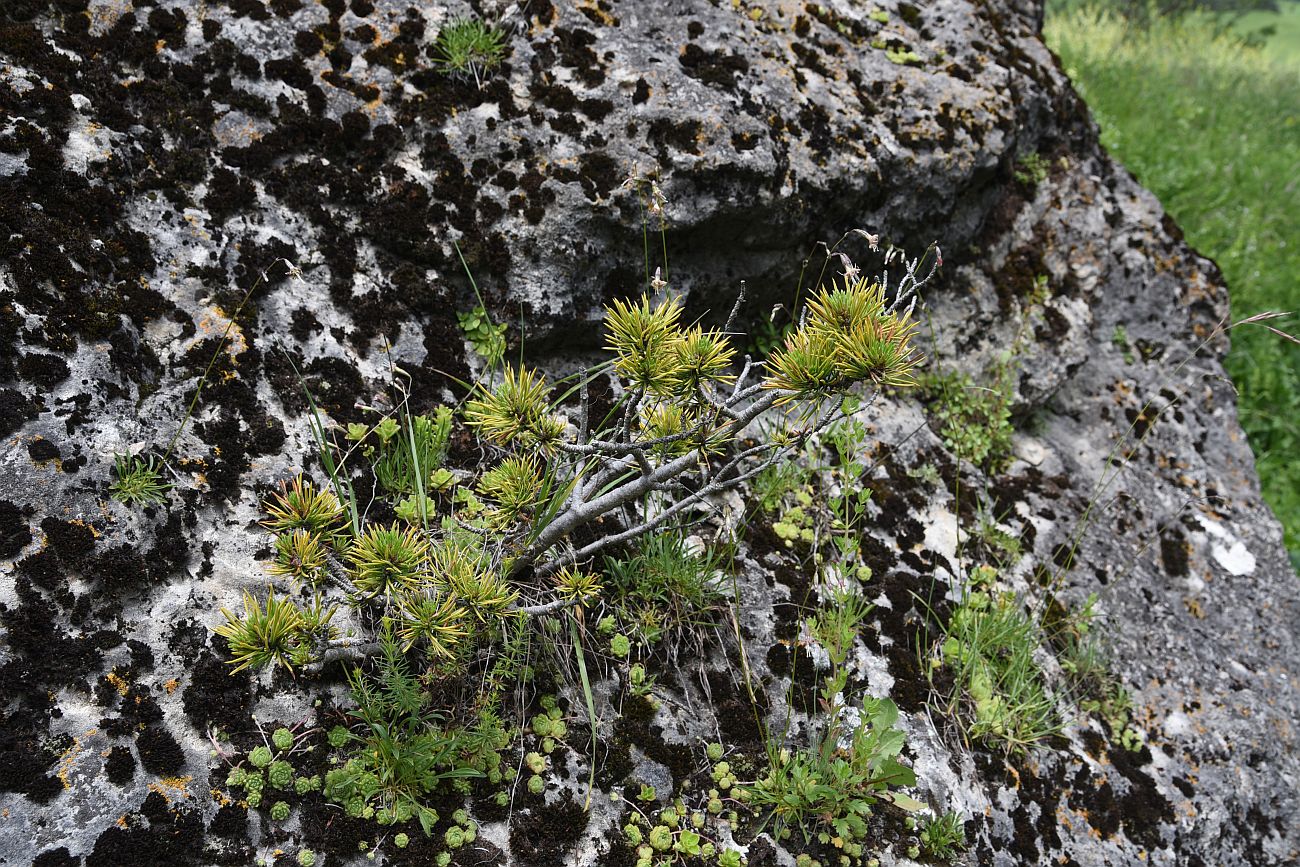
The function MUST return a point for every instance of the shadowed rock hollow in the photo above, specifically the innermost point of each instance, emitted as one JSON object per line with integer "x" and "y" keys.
{"x": 157, "y": 157}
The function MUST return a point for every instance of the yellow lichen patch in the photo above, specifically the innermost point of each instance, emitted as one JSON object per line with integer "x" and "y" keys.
{"x": 1063, "y": 816}
{"x": 218, "y": 324}
{"x": 197, "y": 225}
{"x": 1015, "y": 773}
{"x": 220, "y": 797}
{"x": 177, "y": 786}
{"x": 105, "y": 13}
{"x": 119, "y": 683}
{"x": 171, "y": 685}
{"x": 597, "y": 15}
{"x": 67, "y": 760}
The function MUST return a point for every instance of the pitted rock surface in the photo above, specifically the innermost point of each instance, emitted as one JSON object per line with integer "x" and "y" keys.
{"x": 162, "y": 161}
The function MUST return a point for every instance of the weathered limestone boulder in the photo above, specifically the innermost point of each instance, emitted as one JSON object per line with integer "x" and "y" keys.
{"x": 161, "y": 160}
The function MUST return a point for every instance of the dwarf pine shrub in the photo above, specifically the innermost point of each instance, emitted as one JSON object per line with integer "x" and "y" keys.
{"x": 453, "y": 586}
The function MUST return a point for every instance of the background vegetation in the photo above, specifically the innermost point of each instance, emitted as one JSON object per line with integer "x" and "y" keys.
{"x": 1205, "y": 110}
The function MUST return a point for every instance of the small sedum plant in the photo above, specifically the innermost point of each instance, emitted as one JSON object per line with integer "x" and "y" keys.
{"x": 268, "y": 770}
{"x": 487, "y": 338}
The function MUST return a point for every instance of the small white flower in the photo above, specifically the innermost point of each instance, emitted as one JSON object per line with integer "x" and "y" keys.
{"x": 873, "y": 241}
{"x": 851, "y": 271}
{"x": 657, "y": 200}
{"x": 633, "y": 180}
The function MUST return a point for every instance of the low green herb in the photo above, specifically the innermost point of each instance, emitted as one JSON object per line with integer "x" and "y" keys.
{"x": 943, "y": 836}
{"x": 138, "y": 480}
{"x": 469, "y": 46}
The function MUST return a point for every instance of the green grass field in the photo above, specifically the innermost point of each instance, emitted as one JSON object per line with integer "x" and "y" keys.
{"x": 1213, "y": 128}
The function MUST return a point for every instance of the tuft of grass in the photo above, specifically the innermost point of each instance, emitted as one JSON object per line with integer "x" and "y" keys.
{"x": 664, "y": 587}
{"x": 137, "y": 480}
{"x": 1212, "y": 126}
{"x": 942, "y": 836}
{"x": 998, "y": 687}
{"x": 409, "y": 455}
{"x": 469, "y": 46}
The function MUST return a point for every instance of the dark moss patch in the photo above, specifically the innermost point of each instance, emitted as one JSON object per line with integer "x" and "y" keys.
{"x": 43, "y": 370}
{"x": 119, "y": 767}
{"x": 119, "y": 568}
{"x": 41, "y": 451}
{"x": 72, "y": 541}
{"x": 59, "y": 857}
{"x": 718, "y": 68}
{"x": 737, "y": 716}
{"x": 15, "y": 409}
{"x": 762, "y": 854}
{"x": 636, "y": 726}
{"x": 543, "y": 837}
{"x": 1174, "y": 553}
{"x": 217, "y": 697}
{"x": 160, "y": 754}
{"x": 161, "y": 835}
{"x": 230, "y": 821}
{"x": 1142, "y": 807}
{"x": 24, "y": 766}
{"x": 15, "y": 533}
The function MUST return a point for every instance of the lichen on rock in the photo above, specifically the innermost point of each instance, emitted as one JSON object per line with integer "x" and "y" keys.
{"x": 301, "y": 187}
